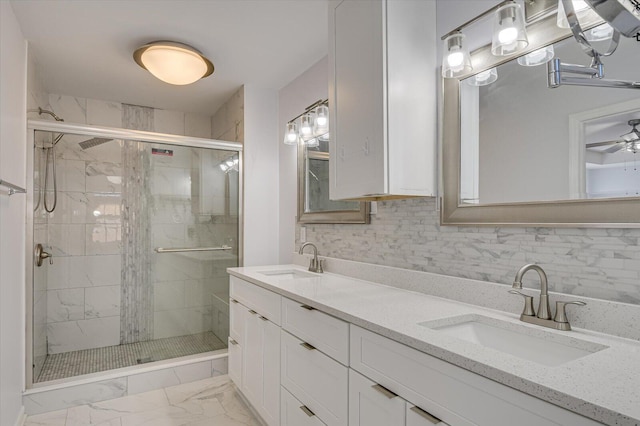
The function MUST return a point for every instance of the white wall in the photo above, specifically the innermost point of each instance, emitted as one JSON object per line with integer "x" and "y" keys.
{"x": 310, "y": 86}
{"x": 260, "y": 176}
{"x": 13, "y": 106}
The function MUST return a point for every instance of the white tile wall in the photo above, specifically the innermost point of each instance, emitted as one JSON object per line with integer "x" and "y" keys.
{"x": 83, "y": 334}
{"x": 104, "y": 113}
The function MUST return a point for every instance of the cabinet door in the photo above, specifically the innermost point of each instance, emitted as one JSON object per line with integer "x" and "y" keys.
{"x": 372, "y": 405}
{"x": 271, "y": 371}
{"x": 357, "y": 84}
{"x": 253, "y": 367}
{"x": 236, "y": 320}
{"x": 235, "y": 362}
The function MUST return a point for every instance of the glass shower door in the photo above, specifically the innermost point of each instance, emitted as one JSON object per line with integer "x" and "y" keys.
{"x": 140, "y": 238}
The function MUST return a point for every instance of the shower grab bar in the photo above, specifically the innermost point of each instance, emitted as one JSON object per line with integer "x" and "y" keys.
{"x": 13, "y": 189}
{"x": 185, "y": 249}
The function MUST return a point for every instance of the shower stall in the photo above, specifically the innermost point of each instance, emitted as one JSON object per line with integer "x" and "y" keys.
{"x": 131, "y": 233}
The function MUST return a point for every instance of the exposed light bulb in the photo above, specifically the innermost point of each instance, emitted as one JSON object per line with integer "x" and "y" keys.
{"x": 224, "y": 167}
{"x": 322, "y": 121}
{"x": 455, "y": 59}
{"x": 291, "y": 134}
{"x": 305, "y": 126}
{"x": 508, "y": 35}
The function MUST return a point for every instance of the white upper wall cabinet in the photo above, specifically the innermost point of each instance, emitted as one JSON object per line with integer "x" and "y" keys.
{"x": 382, "y": 98}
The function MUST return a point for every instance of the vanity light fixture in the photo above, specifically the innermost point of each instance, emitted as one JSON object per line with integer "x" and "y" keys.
{"x": 483, "y": 78}
{"x": 172, "y": 62}
{"x": 456, "y": 60}
{"x": 310, "y": 127}
{"x": 509, "y": 36}
{"x": 537, "y": 57}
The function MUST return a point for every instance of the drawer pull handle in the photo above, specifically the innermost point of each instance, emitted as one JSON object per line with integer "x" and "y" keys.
{"x": 263, "y": 318}
{"x": 386, "y": 392}
{"x": 232, "y": 341}
{"x": 307, "y": 411}
{"x": 425, "y": 415}
{"x": 234, "y": 301}
{"x": 307, "y": 307}
{"x": 307, "y": 346}
{"x": 252, "y": 312}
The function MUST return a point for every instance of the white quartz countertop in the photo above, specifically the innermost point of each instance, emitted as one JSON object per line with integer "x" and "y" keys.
{"x": 604, "y": 385}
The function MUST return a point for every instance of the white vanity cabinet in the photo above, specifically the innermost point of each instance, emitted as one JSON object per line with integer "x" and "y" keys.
{"x": 254, "y": 350}
{"x": 450, "y": 393}
{"x": 382, "y": 98}
{"x": 371, "y": 404}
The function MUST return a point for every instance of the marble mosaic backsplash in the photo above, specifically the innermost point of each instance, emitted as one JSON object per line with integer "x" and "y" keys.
{"x": 593, "y": 262}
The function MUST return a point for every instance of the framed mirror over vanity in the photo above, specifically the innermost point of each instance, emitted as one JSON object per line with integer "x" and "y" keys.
{"x": 309, "y": 131}
{"x": 545, "y": 136}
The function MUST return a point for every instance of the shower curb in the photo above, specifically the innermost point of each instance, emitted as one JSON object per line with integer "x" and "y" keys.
{"x": 96, "y": 387}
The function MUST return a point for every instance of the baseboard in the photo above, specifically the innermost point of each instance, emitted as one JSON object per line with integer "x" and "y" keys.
{"x": 22, "y": 417}
{"x": 250, "y": 407}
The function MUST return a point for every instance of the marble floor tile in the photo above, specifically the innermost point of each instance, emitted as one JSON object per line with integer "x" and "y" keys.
{"x": 211, "y": 402}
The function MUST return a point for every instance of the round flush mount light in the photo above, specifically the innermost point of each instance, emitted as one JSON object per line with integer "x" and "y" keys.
{"x": 172, "y": 62}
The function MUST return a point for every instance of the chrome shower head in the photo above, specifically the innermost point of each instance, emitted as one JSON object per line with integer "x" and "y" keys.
{"x": 90, "y": 143}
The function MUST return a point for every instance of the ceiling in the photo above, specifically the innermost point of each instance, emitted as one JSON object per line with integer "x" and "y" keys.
{"x": 84, "y": 48}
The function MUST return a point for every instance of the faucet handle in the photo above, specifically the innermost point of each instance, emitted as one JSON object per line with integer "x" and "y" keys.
{"x": 320, "y": 269}
{"x": 528, "y": 303}
{"x": 561, "y": 313}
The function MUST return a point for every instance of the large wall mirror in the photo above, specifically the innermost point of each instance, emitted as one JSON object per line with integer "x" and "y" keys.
{"x": 517, "y": 152}
{"x": 314, "y": 205}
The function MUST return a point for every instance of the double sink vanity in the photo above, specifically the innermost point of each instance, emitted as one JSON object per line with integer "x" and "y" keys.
{"x": 328, "y": 349}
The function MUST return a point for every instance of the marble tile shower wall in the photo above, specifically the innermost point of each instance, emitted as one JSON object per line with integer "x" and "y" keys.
{"x": 227, "y": 124}
{"x": 598, "y": 263}
{"x": 85, "y": 232}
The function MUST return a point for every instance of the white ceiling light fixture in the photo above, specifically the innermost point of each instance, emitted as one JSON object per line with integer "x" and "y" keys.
{"x": 172, "y": 62}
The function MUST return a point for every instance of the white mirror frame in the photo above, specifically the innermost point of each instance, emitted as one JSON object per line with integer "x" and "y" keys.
{"x": 603, "y": 213}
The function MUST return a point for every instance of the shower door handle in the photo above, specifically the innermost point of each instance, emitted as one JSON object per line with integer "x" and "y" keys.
{"x": 40, "y": 255}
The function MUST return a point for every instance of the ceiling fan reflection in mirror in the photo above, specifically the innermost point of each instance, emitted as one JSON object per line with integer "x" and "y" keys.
{"x": 629, "y": 141}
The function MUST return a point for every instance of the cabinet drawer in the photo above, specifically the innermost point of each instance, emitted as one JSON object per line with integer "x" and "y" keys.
{"x": 264, "y": 302}
{"x": 294, "y": 414}
{"x": 455, "y": 395}
{"x": 316, "y": 380}
{"x": 328, "y": 334}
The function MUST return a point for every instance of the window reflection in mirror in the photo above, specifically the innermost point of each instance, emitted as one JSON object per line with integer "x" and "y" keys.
{"x": 522, "y": 141}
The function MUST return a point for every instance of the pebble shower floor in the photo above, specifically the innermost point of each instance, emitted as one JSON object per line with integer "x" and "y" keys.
{"x": 69, "y": 364}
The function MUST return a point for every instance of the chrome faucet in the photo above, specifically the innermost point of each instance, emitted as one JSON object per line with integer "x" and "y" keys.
{"x": 543, "y": 318}
{"x": 315, "y": 265}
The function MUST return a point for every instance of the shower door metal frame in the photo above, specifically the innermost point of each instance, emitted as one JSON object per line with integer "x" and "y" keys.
{"x": 111, "y": 133}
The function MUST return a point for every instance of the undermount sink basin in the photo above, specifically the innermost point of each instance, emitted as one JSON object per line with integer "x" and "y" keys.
{"x": 539, "y": 346}
{"x": 288, "y": 274}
